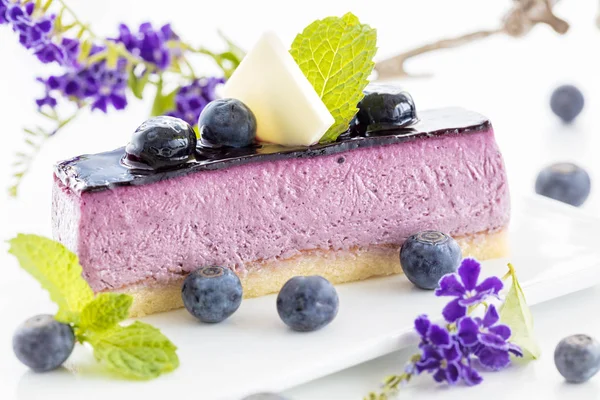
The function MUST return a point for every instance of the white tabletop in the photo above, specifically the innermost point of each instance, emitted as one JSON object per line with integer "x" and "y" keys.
{"x": 506, "y": 79}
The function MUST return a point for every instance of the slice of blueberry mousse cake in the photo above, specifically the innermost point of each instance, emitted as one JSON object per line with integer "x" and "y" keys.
{"x": 259, "y": 193}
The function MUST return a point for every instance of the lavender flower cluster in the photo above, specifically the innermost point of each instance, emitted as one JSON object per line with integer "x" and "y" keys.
{"x": 449, "y": 352}
{"x": 34, "y": 30}
{"x": 97, "y": 83}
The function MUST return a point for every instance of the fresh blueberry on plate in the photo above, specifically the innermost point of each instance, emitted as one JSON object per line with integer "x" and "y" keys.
{"x": 227, "y": 122}
{"x": 42, "y": 343}
{"x": 564, "y": 182}
{"x": 577, "y": 358}
{"x": 307, "y": 303}
{"x": 567, "y": 102}
{"x": 162, "y": 142}
{"x": 212, "y": 294}
{"x": 427, "y": 256}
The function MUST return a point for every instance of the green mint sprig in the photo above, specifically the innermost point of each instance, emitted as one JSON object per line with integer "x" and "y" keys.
{"x": 137, "y": 351}
{"x": 336, "y": 55}
{"x": 515, "y": 313}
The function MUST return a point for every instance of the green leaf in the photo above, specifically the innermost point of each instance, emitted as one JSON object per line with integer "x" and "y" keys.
{"x": 163, "y": 103}
{"x": 336, "y": 55}
{"x": 137, "y": 84}
{"x": 516, "y": 314}
{"x": 138, "y": 351}
{"x": 84, "y": 50}
{"x": 58, "y": 271}
{"x": 105, "y": 311}
{"x": 112, "y": 56}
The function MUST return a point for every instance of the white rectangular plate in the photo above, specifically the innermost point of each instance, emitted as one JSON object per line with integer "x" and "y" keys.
{"x": 554, "y": 249}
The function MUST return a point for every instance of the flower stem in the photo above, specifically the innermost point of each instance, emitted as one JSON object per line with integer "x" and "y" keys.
{"x": 78, "y": 21}
{"x": 391, "y": 385}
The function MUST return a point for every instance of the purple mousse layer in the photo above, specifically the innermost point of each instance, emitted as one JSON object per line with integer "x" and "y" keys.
{"x": 269, "y": 210}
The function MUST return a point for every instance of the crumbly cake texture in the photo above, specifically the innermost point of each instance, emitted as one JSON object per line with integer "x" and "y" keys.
{"x": 337, "y": 266}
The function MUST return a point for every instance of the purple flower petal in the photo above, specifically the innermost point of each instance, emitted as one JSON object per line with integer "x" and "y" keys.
{"x": 429, "y": 352}
{"x": 450, "y": 286}
{"x": 493, "y": 341}
{"x": 452, "y": 354}
{"x": 118, "y": 101}
{"x": 452, "y": 374}
{"x": 473, "y": 300}
{"x": 45, "y": 25}
{"x": 15, "y": 13}
{"x": 493, "y": 359}
{"x": 29, "y": 7}
{"x": 469, "y": 272}
{"x": 439, "y": 336}
{"x": 422, "y": 325}
{"x": 454, "y": 310}
{"x": 167, "y": 32}
{"x": 440, "y": 375}
{"x": 492, "y": 284}
{"x": 471, "y": 376}
{"x": 491, "y": 316}
{"x": 468, "y": 331}
{"x": 501, "y": 330}
{"x": 427, "y": 365}
{"x": 71, "y": 88}
{"x": 514, "y": 349}
{"x": 100, "y": 104}
{"x": 54, "y": 82}
{"x": 46, "y": 101}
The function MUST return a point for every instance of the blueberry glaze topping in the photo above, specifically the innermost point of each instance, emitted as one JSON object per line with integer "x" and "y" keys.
{"x": 104, "y": 171}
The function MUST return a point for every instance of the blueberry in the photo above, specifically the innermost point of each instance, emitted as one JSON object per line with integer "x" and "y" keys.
{"x": 42, "y": 343}
{"x": 162, "y": 142}
{"x": 227, "y": 122}
{"x": 385, "y": 107}
{"x": 212, "y": 294}
{"x": 577, "y": 358}
{"x": 427, "y": 256}
{"x": 264, "y": 396}
{"x": 564, "y": 182}
{"x": 307, "y": 303}
{"x": 567, "y": 102}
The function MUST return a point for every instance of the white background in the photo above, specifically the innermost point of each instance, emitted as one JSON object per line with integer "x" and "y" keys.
{"x": 509, "y": 80}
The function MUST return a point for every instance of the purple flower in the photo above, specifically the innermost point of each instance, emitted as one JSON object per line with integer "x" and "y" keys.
{"x": 463, "y": 285}
{"x": 35, "y": 32}
{"x": 191, "y": 99}
{"x": 3, "y": 9}
{"x": 98, "y": 84}
{"x": 149, "y": 44}
{"x": 487, "y": 339}
{"x": 46, "y": 101}
{"x": 442, "y": 356}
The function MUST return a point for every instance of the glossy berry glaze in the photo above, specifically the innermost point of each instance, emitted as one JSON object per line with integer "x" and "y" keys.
{"x": 240, "y": 207}
{"x": 95, "y": 172}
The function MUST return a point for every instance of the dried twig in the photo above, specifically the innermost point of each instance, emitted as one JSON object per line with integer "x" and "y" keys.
{"x": 521, "y": 18}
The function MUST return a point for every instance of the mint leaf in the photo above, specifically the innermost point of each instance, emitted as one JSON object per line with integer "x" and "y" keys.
{"x": 138, "y": 351}
{"x": 516, "y": 314}
{"x": 58, "y": 271}
{"x": 336, "y": 55}
{"x": 105, "y": 311}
